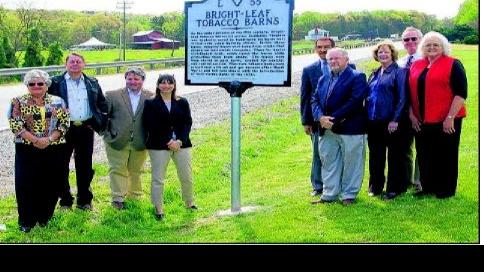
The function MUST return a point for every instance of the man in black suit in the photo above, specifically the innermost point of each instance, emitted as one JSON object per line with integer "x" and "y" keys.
{"x": 88, "y": 111}
{"x": 309, "y": 82}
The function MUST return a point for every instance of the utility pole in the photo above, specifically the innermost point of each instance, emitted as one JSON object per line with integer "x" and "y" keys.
{"x": 124, "y": 5}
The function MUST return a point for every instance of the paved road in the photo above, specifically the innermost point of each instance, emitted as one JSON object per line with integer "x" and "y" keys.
{"x": 110, "y": 82}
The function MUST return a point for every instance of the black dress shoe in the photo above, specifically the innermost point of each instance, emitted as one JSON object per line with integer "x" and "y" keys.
{"x": 25, "y": 229}
{"x": 389, "y": 195}
{"x": 118, "y": 205}
{"x": 193, "y": 207}
{"x": 371, "y": 193}
{"x": 85, "y": 207}
{"x": 65, "y": 208}
{"x": 421, "y": 194}
{"x": 443, "y": 196}
{"x": 159, "y": 216}
{"x": 321, "y": 201}
{"x": 316, "y": 192}
{"x": 348, "y": 201}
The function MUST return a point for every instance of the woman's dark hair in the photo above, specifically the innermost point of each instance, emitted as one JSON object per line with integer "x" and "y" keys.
{"x": 166, "y": 78}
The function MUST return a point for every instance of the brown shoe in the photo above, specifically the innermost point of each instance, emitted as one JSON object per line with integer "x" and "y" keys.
{"x": 348, "y": 201}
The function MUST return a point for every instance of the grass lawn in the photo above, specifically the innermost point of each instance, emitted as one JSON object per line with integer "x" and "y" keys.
{"x": 275, "y": 169}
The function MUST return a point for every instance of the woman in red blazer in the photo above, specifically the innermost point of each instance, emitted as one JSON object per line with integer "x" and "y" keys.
{"x": 438, "y": 89}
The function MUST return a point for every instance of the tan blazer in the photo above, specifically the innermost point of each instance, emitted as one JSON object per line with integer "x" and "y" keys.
{"x": 125, "y": 126}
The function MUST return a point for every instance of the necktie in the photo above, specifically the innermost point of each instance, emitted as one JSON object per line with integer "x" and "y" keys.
{"x": 325, "y": 68}
{"x": 409, "y": 62}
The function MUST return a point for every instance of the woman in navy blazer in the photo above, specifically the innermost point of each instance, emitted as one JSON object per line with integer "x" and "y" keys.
{"x": 167, "y": 122}
{"x": 388, "y": 125}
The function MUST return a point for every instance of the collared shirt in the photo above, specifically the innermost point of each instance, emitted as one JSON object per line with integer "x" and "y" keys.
{"x": 373, "y": 96}
{"x": 168, "y": 106}
{"x": 134, "y": 97}
{"x": 403, "y": 61}
{"x": 332, "y": 83}
{"x": 77, "y": 98}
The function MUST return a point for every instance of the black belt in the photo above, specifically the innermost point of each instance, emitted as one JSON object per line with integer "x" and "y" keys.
{"x": 78, "y": 123}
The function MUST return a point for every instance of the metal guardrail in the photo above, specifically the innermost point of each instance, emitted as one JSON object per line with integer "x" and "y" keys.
{"x": 151, "y": 63}
{"x": 303, "y": 51}
{"x": 96, "y": 66}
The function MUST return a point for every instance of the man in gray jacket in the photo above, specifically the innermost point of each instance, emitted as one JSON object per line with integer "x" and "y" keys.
{"x": 124, "y": 137}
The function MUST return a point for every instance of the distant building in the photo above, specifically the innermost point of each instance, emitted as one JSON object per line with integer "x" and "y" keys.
{"x": 152, "y": 39}
{"x": 316, "y": 33}
{"x": 93, "y": 44}
{"x": 352, "y": 37}
{"x": 395, "y": 36}
{"x": 335, "y": 38}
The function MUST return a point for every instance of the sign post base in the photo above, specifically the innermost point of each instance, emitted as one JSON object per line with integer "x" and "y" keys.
{"x": 242, "y": 210}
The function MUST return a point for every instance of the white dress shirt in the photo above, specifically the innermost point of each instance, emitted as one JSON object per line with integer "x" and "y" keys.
{"x": 78, "y": 100}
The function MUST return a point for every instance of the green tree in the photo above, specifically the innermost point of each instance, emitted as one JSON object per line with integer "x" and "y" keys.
{"x": 3, "y": 59}
{"x": 33, "y": 56}
{"x": 170, "y": 30}
{"x": 55, "y": 54}
{"x": 173, "y": 26}
{"x": 471, "y": 39}
{"x": 9, "y": 52}
{"x": 468, "y": 14}
{"x": 156, "y": 22}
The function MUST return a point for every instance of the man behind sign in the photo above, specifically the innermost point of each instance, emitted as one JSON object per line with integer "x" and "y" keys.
{"x": 338, "y": 106}
{"x": 309, "y": 82}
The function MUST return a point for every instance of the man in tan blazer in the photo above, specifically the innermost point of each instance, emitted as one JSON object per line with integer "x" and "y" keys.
{"x": 124, "y": 137}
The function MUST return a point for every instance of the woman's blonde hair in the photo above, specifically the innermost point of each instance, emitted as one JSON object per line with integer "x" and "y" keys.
{"x": 390, "y": 45}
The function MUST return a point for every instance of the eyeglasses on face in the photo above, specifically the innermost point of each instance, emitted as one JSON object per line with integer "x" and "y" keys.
{"x": 75, "y": 61}
{"x": 432, "y": 45}
{"x": 411, "y": 38}
{"x": 32, "y": 84}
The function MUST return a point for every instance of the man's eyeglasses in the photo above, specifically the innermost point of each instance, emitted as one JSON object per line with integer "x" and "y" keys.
{"x": 75, "y": 61}
{"x": 32, "y": 84}
{"x": 412, "y": 38}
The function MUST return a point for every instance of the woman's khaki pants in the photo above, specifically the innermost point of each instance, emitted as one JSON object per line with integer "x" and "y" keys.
{"x": 159, "y": 164}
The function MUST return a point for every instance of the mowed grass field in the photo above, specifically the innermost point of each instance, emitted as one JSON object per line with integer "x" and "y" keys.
{"x": 276, "y": 157}
{"x": 112, "y": 55}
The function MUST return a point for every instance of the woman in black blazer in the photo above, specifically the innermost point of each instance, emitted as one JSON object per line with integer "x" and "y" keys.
{"x": 167, "y": 122}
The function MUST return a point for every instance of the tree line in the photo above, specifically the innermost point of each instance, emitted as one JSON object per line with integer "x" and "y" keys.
{"x": 62, "y": 29}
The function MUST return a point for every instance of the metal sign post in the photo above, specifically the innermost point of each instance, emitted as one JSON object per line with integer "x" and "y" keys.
{"x": 235, "y": 89}
{"x": 237, "y": 44}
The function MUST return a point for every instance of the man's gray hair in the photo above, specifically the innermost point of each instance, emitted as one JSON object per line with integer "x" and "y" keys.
{"x": 411, "y": 28}
{"x": 432, "y": 34}
{"x": 135, "y": 70}
{"x": 35, "y": 73}
{"x": 340, "y": 50}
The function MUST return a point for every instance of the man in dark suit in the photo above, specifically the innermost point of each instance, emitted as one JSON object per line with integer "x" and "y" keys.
{"x": 87, "y": 107}
{"x": 309, "y": 82}
{"x": 338, "y": 106}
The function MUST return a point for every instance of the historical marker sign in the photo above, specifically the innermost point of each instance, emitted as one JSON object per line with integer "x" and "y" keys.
{"x": 238, "y": 40}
